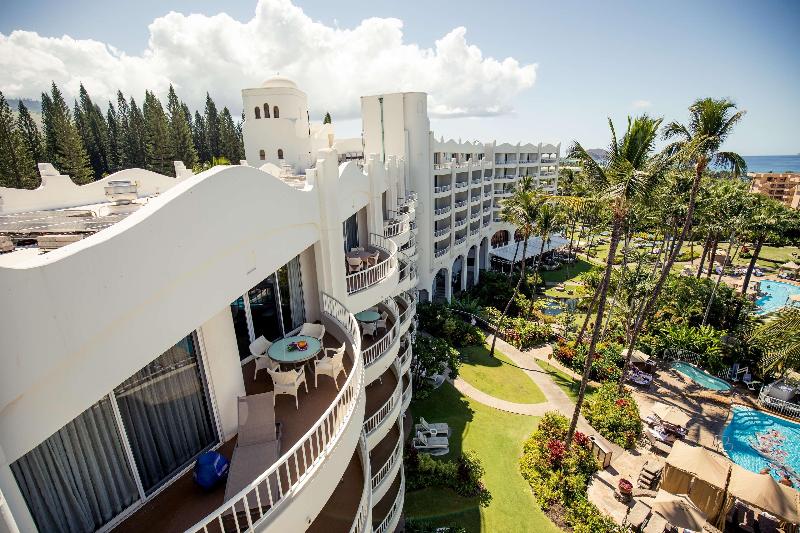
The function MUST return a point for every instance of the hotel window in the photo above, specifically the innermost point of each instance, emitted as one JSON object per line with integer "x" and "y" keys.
{"x": 276, "y": 112}
{"x": 262, "y": 155}
{"x": 258, "y": 112}
{"x": 280, "y": 153}
{"x": 266, "y": 110}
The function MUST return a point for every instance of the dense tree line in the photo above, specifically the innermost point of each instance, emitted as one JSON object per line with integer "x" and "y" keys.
{"x": 87, "y": 144}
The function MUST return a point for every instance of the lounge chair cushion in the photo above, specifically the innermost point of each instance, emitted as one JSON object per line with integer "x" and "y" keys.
{"x": 247, "y": 463}
{"x": 256, "y": 419}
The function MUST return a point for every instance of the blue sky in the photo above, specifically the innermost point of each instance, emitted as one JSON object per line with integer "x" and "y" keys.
{"x": 594, "y": 59}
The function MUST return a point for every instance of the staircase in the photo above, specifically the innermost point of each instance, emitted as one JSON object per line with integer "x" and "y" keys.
{"x": 648, "y": 477}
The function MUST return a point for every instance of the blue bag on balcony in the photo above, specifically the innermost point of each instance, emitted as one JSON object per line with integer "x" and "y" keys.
{"x": 210, "y": 468}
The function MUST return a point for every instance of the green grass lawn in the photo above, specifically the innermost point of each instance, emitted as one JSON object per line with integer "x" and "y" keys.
{"x": 566, "y": 272}
{"x": 566, "y": 383}
{"x": 578, "y": 291}
{"x": 496, "y": 437}
{"x": 497, "y": 376}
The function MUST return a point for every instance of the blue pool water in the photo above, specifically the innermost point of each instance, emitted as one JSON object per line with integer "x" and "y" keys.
{"x": 698, "y": 376}
{"x": 777, "y": 295}
{"x": 778, "y": 438}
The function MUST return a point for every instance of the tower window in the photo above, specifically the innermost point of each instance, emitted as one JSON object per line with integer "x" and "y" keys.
{"x": 275, "y": 112}
{"x": 258, "y": 112}
{"x": 266, "y": 110}
{"x": 280, "y": 153}
{"x": 262, "y": 155}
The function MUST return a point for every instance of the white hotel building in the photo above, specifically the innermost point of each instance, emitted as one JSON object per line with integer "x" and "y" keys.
{"x": 130, "y": 305}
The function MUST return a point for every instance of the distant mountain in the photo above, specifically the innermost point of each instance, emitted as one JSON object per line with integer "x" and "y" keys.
{"x": 598, "y": 154}
{"x": 34, "y": 106}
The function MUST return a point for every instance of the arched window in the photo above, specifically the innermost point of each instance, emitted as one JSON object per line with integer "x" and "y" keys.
{"x": 262, "y": 155}
{"x": 258, "y": 112}
{"x": 280, "y": 153}
{"x": 276, "y": 112}
{"x": 266, "y": 110}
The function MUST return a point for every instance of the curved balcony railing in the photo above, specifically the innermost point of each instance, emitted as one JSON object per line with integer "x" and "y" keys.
{"x": 372, "y": 423}
{"x": 400, "y": 224}
{"x": 487, "y": 209}
{"x": 363, "y": 279}
{"x": 475, "y": 214}
{"x": 261, "y": 497}
{"x": 475, "y": 199}
{"x": 461, "y": 184}
{"x": 488, "y": 178}
{"x": 410, "y": 247}
{"x": 460, "y": 204}
{"x": 396, "y": 455}
{"x": 441, "y": 231}
{"x": 441, "y": 251}
{"x": 460, "y": 240}
{"x": 405, "y": 356}
{"x": 407, "y": 394}
{"x": 390, "y": 522}
{"x": 409, "y": 199}
{"x": 442, "y": 211}
{"x": 408, "y": 267}
{"x": 374, "y": 352}
{"x": 486, "y": 223}
{"x": 361, "y": 524}
{"x": 460, "y": 222}
{"x": 474, "y": 231}
{"x": 441, "y": 189}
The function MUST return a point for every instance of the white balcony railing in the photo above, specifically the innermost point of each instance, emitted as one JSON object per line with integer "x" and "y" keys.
{"x": 461, "y": 184}
{"x": 397, "y": 226}
{"x": 460, "y": 204}
{"x": 474, "y": 231}
{"x": 460, "y": 240}
{"x": 361, "y": 524}
{"x": 405, "y": 356}
{"x": 408, "y": 267}
{"x": 477, "y": 181}
{"x": 409, "y": 200}
{"x": 475, "y": 199}
{"x": 441, "y": 189}
{"x": 440, "y": 252}
{"x": 363, "y": 279}
{"x": 377, "y": 349}
{"x": 265, "y": 494}
{"x": 383, "y": 471}
{"x": 442, "y": 210}
{"x": 487, "y": 209}
{"x": 407, "y": 394}
{"x": 486, "y": 223}
{"x": 441, "y": 231}
{"x": 373, "y": 422}
{"x": 792, "y": 410}
{"x": 397, "y": 507}
{"x": 460, "y": 222}
{"x": 475, "y": 214}
{"x": 488, "y": 178}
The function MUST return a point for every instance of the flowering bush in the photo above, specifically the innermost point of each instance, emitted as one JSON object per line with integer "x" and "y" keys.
{"x": 440, "y": 321}
{"x": 462, "y": 474}
{"x": 606, "y": 365}
{"x": 614, "y": 415}
{"x": 518, "y": 331}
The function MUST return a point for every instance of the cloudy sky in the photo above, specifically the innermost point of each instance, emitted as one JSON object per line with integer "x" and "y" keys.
{"x": 520, "y": 70}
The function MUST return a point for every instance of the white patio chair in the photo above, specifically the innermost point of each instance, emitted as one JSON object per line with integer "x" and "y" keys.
{"x": 381, "y": 323}
{"x": 368, "y": 328}
{"x": 354, "y": 264}
{"x": 313, "y": 330}
{"x": 436, "y": 429}
{"x": 330, "y": 365}
{"x": 258, "y": 348}
{"x": 373, "y": 259}
{"x": 431, "y": 445}
{"x": 288, "y": 383}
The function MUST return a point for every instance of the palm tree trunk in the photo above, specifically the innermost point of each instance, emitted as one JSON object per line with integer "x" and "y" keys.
{"x": 716, "y": 285}
{"x": 750, "y": 267}
{"x": 625, "y": 246}
{"x": 589, "y": 312}
{"x": 703, "y": 256}
{"x": 513, "y": 295}
{"x": 713, "y": 256}
{"x": 601, "y": 304}
{"x": 536, "y": 268}
{"x": 511, "y": 271}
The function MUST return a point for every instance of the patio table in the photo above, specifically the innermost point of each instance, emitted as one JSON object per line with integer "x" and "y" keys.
{"x": 280, "y": 352}
{"x": 368, "y": 316}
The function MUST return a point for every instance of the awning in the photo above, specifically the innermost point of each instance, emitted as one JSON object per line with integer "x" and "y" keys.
{"x": 699, "y": 462}
{"x": 679, "y": 511}
{"x": 506, "y": 253}
{"x": 637, "y": 356}
{"x": 762, "y": 491}
{"x": 791, "y": 265}
{"x": 671, "y": 415}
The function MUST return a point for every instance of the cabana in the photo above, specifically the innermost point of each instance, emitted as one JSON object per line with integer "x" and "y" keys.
{"x": 763, "y": 492}
{"x": 671, "y": 415}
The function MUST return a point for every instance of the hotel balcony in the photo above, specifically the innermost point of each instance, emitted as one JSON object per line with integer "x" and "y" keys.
{"x": 460, "y": 222}
{"x": 408, "y": 275}
{"x": 488, "y": 178}
{"x": 441, "y": 190}
{"x": 374, "y": 282}
{"x": 406, "y": 391}
{"x": 460, "y": 204}
{"x": 439, "y": 252}
{"x": 386, "y": 459}
{"x": 460, "y": 240}
{"x": 475, "y": 199}
{"x": 441, "y": 232}
{"x": 397, "y": 228}
{"x": 548, "y": 161}
{"x": 477, "y": 181}
{"x": 384, "y": 399}
{"x": 441, "y": 212}
{"x": 386, "y": 512}
{"x": 487, "y": 222}
{"x": 299, "y": 484}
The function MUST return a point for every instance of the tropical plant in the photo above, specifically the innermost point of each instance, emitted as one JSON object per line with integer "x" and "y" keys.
{"x": 432, "y": 356}
{"x": 777, "y": 341}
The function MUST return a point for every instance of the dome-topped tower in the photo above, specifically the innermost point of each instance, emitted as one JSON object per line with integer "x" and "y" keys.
{"x": 276, "y": 128}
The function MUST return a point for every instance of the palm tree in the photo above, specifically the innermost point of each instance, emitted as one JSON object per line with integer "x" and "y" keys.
{"x": 628, "y": 176}
{"x": 711, "y": 121}
{"x": 525, "y": 183}
{"x": 549, "y": 219}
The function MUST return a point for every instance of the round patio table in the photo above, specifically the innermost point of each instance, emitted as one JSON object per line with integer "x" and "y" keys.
{"x": 360, "y": 255}
{"x": 368, "y": 316}
{"x": 279, "y": 351}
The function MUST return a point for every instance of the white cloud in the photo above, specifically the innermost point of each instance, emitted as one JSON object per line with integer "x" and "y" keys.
{"x": 218, "y": 54}
{"x": 641, "y": 104}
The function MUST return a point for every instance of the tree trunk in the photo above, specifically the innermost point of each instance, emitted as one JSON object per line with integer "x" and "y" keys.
{"x": 601, "y": 304}
{"x": 625, "y": 246}
{"x": 513, "y": 295}
{"x": 511, "y": 270}
{"x": 716, "y": 285}
{"x": 713, "y": 256}
{"x": 537, "y": 267}
{"x": 588, "y": 315}
{"x": 746, "y": 281}
{"x": 703, "y": 256}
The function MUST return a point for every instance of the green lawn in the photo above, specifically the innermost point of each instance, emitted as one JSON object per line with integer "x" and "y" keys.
{"x": 497, "y": 376}
{"x": 496, "y": 437}
{"x": 566, "y": 272}
{"x": 578, "y": 291}
{"x": 566, "y": 383}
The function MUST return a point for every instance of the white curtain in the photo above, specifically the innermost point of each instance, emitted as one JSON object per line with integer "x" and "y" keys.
{"x": 78, "y": 479}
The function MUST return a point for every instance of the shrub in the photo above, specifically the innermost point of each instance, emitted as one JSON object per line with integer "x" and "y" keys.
{"x": 414, "y": 525}
{"x": 462, "y": 474}
{"x": 705, "y": 341}
{"x": 432, "y": 356}
{"x": 440, "y": 321}
{"x": 615, "y": 415}
{"x": 518, "y": 331}
{"x": 606, "y": 365}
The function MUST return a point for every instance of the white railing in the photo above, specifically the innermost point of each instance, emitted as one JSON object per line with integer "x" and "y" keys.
{"x": 777, "y": 405}
{"x": 475, "y": 214}
{"x": 362, "y": 522}
{"x": 548, "y": 161}
{"x": 488, "y": 178}
{"x": 374, "y": 352}
{"x": 394, "y": 228}
{"x": 254, "y": 504}
{"x": 486, "y": 223}
{"x": 441, "y": 252}
{"x": 410, "y": 199}
{"x": 397, "y": 507}
{"x": 460, "y": 204}
{"x": 441, "y": 231}
{"x": 477, "y": 181}
{"x": 372, "y": 423}
{"x": 474, "y": 231}
{"x": 405, "y": 357}
{"x": 409, "y": 268}
{"x": 460, "y": 222}
{"x": 460, "y": 240}
{"x": 487, "y": 209}
{"x": 461, "y": 184}
{"x": 411, "y": 308}
{"x": 363, "y": 279}
{"x": 407, "y": 394}
{"x": 442, "y": 210}
{"x": 441, "y": 188}
{"x": 475, "y": 199}
{"x": 410, "y": 247}
{"x": 384, "y": 470}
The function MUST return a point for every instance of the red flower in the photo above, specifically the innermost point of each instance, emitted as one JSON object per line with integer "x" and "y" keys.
{"x": 581, "y": 439}
{"x": 557, "y": 451}
{"x": 622, "y": 402}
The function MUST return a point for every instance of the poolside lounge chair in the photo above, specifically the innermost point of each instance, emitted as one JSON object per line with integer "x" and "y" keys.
{"x": 637, "y": 516}
{"x": 435, "y": 429}
{"x": 656, "y": 524}
{"x": 753, "y": 385}
{"x": 656, "y": 445}
{"x": 431, "y": 445}
{"x": 257, "y": 446}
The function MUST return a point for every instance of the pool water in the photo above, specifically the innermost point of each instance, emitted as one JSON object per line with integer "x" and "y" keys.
{"x": 778, "y": 439}
{"x": 776, "y": 295}
{"x": 701, "y": 378}
{"x": 556, "y": 306}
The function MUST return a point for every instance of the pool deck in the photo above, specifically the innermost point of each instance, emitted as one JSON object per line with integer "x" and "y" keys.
{"x": 710, "y": 411}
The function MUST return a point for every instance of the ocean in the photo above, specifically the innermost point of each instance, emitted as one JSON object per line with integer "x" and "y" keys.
{"x": 774, "y": 163}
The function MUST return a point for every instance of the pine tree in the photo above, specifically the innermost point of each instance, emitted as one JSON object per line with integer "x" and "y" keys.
{"x": 240, "y": 132}
{"x": 160, "y": 152}
{"x": 114, "y": 163}
{"x": 62, "y": 141}
{"x": 93, "y": 129}
{"x": 30, "y": 134}
{"x": 327, "y": 119}
{"x": 188, "y": 115}
{"x": 180, "y": 131}
{"x": 212, "y": 127}
{"x": 229, "y": 146}
{"x": 137, "y": 134}
{"x": 200, "y": 139}
{"x": 17, "y": 168}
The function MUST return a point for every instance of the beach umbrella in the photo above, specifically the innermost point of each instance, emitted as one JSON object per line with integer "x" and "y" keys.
{"x": 791, "y": 265}
{"x": 670, "y": 414}
{"x": 679, "y": 511}
{"x": 637, "y": 356}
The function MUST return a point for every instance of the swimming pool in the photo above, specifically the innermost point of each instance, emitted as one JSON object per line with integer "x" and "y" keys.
{"x": 701, "y": 378}
{"x": 776, "y": 295}
{"x": 777, "y": 439}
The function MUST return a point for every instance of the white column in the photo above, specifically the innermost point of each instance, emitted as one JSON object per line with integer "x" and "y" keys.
{"x": 448, "y": 284}
{"x": 463, "y": 272}
{"x": 14, "y": 513}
